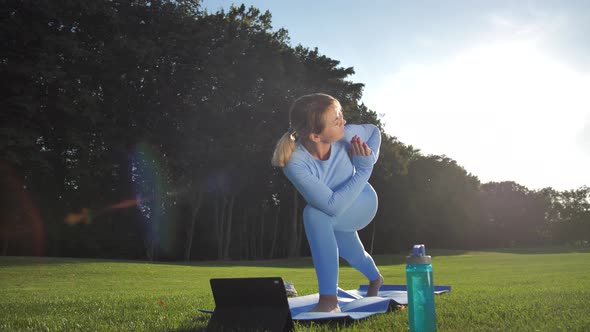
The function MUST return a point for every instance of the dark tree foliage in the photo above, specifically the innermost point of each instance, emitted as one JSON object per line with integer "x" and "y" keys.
{"x": 144, "y": 129}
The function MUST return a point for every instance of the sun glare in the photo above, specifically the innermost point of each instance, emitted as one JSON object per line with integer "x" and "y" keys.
{"x": 504, "y": 111}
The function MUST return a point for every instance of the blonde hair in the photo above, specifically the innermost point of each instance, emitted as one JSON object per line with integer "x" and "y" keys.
{"x": 306, "y": 116}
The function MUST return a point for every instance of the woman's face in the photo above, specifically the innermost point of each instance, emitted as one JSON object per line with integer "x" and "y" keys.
{"x": 334, "y": 129}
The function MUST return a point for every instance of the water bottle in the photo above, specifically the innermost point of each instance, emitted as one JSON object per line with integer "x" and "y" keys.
{"x": 420, "y": 291}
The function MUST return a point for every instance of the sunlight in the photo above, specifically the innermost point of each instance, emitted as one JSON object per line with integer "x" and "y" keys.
{"x": 504, "y": 111}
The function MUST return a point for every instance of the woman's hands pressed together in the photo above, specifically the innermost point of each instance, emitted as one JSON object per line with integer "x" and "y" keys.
{"x": 358, "y": 147}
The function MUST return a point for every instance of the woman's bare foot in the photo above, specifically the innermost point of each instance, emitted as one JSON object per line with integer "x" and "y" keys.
{"x": 374, "y": 286}
{"x": 327, "y": 303}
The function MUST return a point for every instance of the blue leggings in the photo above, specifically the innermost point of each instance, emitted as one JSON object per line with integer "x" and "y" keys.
{"x": 330, "y": 237}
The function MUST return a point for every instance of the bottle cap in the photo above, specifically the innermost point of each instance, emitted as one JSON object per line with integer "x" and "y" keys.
{"x": 418, "y": 255}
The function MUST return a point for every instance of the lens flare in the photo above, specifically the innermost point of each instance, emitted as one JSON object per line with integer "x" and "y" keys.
{"x": 150, "y": 176}
{"x": 22, "y": 223}
{"x": 82, "y": 217}
{"x": 154, "y": 201}
{"x": 86, "y": 216}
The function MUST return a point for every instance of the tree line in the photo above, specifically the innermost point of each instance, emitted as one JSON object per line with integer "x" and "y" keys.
{"x": 144, "y": 129}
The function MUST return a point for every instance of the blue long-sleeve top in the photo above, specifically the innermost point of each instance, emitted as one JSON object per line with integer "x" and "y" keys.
{"x": 332, "y": 185}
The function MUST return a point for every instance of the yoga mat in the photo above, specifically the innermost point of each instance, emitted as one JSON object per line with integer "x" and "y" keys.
{"x": 353, "y": 303}
{"x": 254, "y": 297}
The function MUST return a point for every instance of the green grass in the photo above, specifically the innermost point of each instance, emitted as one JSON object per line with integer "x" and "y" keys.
{"x": 492, "y": 291}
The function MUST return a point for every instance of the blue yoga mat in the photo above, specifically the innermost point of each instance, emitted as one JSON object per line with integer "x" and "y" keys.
{"x": 353, "y": 303}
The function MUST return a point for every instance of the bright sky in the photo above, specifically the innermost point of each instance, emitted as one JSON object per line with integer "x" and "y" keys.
{"x": 502, "y": 87}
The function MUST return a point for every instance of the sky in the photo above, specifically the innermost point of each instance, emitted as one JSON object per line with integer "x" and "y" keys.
{"x": 502, "y": 87}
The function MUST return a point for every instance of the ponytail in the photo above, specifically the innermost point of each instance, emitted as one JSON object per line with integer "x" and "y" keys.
{"x": 283, "y": 150}
{"x": 306, "y": 116}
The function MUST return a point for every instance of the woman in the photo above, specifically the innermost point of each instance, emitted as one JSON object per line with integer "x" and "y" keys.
{"x": 330, "y": 165}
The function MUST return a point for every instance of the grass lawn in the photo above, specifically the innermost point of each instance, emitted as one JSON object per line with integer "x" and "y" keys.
{"x": 544, "y": 290}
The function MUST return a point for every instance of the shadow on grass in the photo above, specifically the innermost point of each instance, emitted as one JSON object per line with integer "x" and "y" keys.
{"x": 540, "y": 250}
{"x": 197, "y": 323}
{"x": 290, "y": 263}
{"x": 333, "y": 324}
{"x": 13, "y": 261}
{"x": 200, "y": 324}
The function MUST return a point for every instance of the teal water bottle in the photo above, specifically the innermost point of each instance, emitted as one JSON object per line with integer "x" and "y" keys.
{"x": 420, "y": 291}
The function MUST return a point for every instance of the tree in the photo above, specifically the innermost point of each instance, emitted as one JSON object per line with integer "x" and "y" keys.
{"x": 151, "y": 125}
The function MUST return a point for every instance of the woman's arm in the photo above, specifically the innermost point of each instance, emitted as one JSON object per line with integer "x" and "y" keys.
{"x": 369, "y": 133}
{"x": 319, "y": 195}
